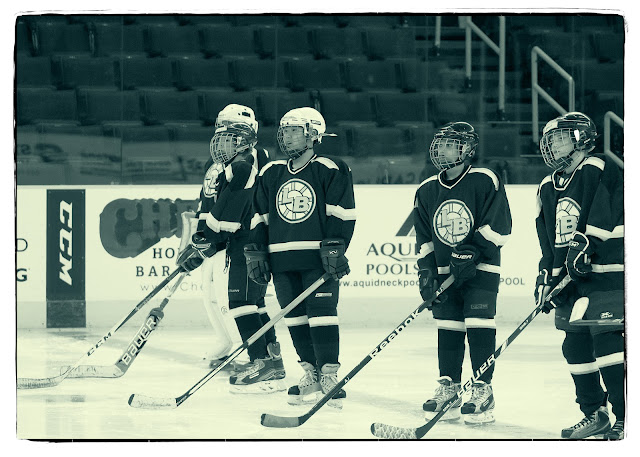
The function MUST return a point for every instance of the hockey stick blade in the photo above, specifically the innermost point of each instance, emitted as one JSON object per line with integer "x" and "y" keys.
{"x": 144, "y": 401}
{"x": 391, "y": 432}
{"x": 133, "y": 348}
{"x": 93, "y": 371}
{"x": 38, "y": 383}
{"x": 271, "y": 420}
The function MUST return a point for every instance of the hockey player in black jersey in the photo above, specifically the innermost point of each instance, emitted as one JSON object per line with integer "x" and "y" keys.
{"x": 234, "y": 305}
{"x": 580, "y": 227}
{"x": 462, "y": 219}
{"x": 304, "y": 216}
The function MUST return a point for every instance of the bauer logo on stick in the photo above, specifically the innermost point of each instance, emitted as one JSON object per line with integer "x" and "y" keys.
{"x": 296, "y": 201}
{"x": 452, "y": 222}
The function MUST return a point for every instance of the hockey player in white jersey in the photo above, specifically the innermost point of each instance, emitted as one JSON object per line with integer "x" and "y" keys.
{"x": 234, "y": 305}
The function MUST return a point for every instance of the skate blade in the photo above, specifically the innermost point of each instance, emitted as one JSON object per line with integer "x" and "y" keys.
{"x": 309, "y": 399}
{"x": 259, "y": 388}
{"x": 480, "y": 419}
{"x": 448, "y": 416}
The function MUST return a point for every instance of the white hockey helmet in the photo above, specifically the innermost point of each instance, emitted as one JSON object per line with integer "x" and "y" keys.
{"x": 234, "y": 114}
{"x": 313, "y": 125}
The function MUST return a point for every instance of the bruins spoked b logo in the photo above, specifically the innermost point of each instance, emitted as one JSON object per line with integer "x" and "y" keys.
{"x": 452, "y": 222}
{"x": 567, "y": 215}
{"x": 211, "y": 180}
{"x": 296, "y": 200}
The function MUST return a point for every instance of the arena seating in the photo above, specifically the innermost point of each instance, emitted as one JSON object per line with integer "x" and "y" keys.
{"x": 375, "y": 78}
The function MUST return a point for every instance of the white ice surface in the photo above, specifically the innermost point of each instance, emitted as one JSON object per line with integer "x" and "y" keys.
{"x": 533, "y": 389}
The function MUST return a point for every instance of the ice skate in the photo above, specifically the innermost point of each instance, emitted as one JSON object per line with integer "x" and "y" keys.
{"x": 479, "y": 409}
{"x": 306, "y": 392}
{"x": 328, "y": 380}
{"x": 596, "y": 423}
{"x": 234, "y": 367}
{"x": 445, "y": 391}
{"x": 273, "y": 349}
{"x": 616, "y": 432}
{"x": 260, "y": 377}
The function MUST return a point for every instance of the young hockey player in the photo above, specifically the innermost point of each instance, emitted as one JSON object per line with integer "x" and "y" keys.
{"x": 580, "y": 227}
{"x": 303, "y": 223}
{"x": 462, "y": 219}
{"x": 222, "y": 227}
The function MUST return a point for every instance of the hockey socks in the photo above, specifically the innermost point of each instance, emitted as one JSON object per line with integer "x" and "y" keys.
{"x": 451, "y": 353}
{"x": 248, "y": 325}
{"x": 609, "y": 351}
{"x": 482, "y": 343}
{"x": 326, "y": 341}
{"x": 577, "y": 349}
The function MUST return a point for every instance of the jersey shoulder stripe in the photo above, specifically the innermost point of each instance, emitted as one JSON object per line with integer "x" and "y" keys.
{"x": 490, "y": 173}
{"x": 429, "y": 179}
{"x": 594, "y": 161}
{"x": 327, "y": 162}
{"x": 272, "y": 164}
{"x": 547, "y": 179}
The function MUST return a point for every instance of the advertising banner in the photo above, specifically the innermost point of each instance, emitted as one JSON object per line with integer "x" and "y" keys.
{"x": 132, "y": 234}
{"x": 66, "y": 306}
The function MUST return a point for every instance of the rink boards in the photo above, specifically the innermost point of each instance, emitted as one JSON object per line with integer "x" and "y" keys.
{"x": 87, "y": 255}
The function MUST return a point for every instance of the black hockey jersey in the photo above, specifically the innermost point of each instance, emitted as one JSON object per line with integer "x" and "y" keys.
{"x": 295, "y": 210}
{"x": 591, "y": 201}
{"x": 224, "y": 210}
{"x": 472, "y": 209}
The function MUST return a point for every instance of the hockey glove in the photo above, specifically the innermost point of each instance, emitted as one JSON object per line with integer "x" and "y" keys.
{"x": 334, "y": 261}
{"x": 199, "y": 249}
{"x": 428, "y": 285}
{"x": 463, "y": 263}
{"x": 543, "y": 286}
{"x": 579, "y": 257}
{"x": 258, "y": 268}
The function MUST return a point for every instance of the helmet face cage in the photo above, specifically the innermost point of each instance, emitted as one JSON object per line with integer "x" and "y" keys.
{"x": 229, "y": 141}
{"x": 297, "y": 139}
{"x": 451, "y": 147}
{"x": 557, "y": 147}
{"x": 564, "y": 136}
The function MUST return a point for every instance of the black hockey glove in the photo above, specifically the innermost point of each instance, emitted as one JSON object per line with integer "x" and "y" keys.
{"x": 428, "y": 283}
{"x": 579, "y": 257}
{"x": 334, "y": 261}
{"x": 199, "y": 249}
{"x": 544, "y": 283}
{"x": 258, "y": 268}
{"x": 462, "y": 265}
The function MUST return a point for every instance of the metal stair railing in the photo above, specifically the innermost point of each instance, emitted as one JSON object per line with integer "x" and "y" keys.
{"x": 499, "y": 49}
{"x": 537, "y": 90}
{"x": 608, "y": 116}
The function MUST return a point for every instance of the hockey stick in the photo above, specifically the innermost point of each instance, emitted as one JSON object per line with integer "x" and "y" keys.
{"x": 270, "y": 420}
{"x": 36, "y": 383}
{"x": 133, "y": 349}
{"x": 400, "y": 433}
{"x": 143, "y": 401}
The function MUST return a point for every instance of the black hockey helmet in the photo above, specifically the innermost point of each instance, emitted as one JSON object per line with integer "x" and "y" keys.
{"x": 230, "y": 140}
{"x": 453, "y": 144}
{"x": 565, "y": 135}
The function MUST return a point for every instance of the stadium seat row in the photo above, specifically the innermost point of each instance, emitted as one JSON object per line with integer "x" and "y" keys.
{"x": 241, "y": 73}
{"x": 160, "y": 105}
{"x": 108, "y": 38}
